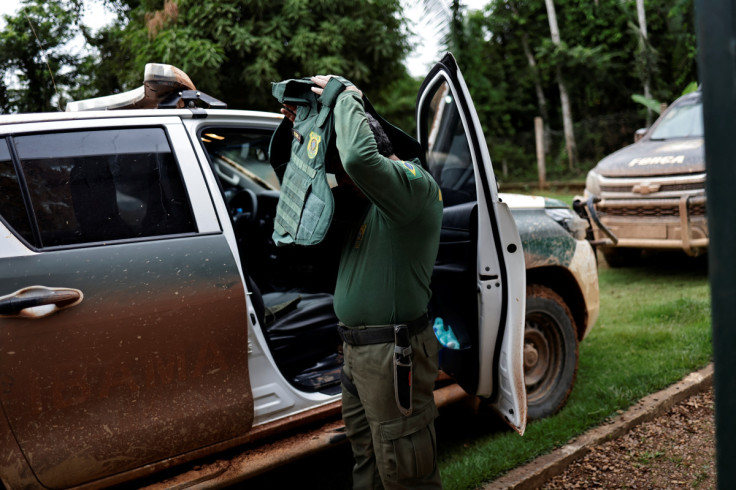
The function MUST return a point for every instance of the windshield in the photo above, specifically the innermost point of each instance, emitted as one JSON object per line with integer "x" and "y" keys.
{"x": 681, "y": 121}
{"x": 244, "y": 150}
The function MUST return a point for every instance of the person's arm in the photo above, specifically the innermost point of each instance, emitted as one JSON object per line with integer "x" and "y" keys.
{"x": 399, "y": 189}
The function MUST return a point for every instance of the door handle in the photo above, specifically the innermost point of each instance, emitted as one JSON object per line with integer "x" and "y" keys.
{"x": 38, "y": 301}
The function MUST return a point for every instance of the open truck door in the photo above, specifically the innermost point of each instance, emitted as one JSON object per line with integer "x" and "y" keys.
{"x": 479, "y": 280}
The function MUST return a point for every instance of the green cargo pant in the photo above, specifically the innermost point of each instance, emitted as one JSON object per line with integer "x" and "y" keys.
{"x": 391, "y": 450}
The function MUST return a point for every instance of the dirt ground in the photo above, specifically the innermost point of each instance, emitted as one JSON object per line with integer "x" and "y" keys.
{"x": 675, "y": 450}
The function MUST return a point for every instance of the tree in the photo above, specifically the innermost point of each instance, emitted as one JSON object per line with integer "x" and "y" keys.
{"x": 644, "y": 52}
{"x": 39, "y": 73}
{"x": 564, "y": 98}
{"x": 538, "y": 89}
{"x": 114, "y": 68}
{"x": 234, "y": 49}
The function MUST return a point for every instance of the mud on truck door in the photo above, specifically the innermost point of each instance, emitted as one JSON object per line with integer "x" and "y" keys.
{"x": 479, "y": 278}
{"x": 124, "y": 318}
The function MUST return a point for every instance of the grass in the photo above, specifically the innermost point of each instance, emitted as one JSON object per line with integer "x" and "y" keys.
{"x": 562, "y": 192}
{"x": 653, "y": 329}
{"x": 565, "y": 195}
{"x": 647, "y": 457}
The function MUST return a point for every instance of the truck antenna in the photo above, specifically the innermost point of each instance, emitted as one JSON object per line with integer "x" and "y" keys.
{"x": 38, "y": 41}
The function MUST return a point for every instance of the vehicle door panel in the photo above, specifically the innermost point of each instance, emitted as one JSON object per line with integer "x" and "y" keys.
{"x": 152, "y": 363}
{"x": 457, "y": 156}
{"x": 454, "y": 291}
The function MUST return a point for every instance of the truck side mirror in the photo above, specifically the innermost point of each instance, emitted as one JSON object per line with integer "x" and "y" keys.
{"x": 639, "y": 134}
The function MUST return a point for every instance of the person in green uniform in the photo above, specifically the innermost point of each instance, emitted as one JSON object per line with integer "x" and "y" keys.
{"x": 384, "y": 280}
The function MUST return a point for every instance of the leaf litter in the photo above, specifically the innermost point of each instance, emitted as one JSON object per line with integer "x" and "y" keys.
{"x": 675, "y": 450}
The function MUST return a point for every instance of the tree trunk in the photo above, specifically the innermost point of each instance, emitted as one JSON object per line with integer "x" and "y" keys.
{"x": 570, "y": 145}
{"x": 567, "y": 126}
{"x": 643, "y": 46}
{"x": 552, "y": 17}
{"x": 541, "y": 99}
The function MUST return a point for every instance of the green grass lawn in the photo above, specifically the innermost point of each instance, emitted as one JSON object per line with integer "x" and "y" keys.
{"x": 653, "y": 329}
{"x": 561, "y": 192}
{"x": 562, "y": 196}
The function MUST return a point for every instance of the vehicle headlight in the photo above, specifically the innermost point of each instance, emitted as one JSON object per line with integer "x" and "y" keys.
{"x": 592, "y": 184}
{"x": 570, "y": 221}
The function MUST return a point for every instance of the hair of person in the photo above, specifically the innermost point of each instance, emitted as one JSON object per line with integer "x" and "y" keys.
{"x": 385, "y": 147}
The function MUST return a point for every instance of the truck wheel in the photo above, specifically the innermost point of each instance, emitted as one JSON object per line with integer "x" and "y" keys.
{"x": 550, "y": 352}
{"x": 621, "y": 257}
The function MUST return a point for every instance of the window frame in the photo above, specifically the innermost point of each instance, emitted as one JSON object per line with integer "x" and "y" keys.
{"x": 20, "y": 176}
{"x": 468, "y": 191}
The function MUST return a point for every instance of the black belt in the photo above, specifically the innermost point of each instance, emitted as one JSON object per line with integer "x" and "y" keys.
{"x": 380, "y": 334}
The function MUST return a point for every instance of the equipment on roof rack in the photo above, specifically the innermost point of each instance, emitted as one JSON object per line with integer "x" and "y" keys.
{"x": 191, "y": 99}
{"x": 164, "y": 86}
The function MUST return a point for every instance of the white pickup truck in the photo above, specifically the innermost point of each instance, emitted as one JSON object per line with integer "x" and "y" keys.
{"x": 149, "y": 322}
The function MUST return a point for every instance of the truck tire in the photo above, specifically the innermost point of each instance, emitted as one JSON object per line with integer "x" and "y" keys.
{"x": 550, "y": 352}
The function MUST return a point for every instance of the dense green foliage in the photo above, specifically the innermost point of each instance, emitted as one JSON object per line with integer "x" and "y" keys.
{"x": 602, "y": 61}
{"x": 234, "y": 49}
{"x": 663, "y": 334}
{"x": 37, "y": 73}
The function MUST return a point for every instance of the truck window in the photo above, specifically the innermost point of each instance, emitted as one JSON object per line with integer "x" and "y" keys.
{"x": 681, "y": 121}
{"x": 448, "y": 155}
{"x": 112, "y": 184}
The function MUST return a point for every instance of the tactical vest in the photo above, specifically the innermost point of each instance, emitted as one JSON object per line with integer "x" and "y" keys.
{"x": 306, "y": 205}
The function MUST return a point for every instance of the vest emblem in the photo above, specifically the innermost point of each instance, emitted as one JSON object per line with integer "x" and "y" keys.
{"x": 313, "y": 145}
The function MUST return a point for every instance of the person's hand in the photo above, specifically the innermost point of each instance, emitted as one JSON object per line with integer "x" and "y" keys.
{"x": 289, "y": 112}
{"x": 321, "y": 82}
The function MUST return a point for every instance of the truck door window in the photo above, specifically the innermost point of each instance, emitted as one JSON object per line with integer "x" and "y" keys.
{"x": 448, "y": 154}
{"x": 94, "y": 186}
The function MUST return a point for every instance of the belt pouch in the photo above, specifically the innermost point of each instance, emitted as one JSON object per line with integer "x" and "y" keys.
{"x": 402, "y": 369}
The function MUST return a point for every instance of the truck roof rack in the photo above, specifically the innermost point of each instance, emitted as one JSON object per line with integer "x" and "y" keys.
{"x": 164, "y": 86}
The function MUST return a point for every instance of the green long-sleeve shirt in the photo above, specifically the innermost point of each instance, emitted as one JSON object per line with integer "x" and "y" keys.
{"x": 386, "y": 262}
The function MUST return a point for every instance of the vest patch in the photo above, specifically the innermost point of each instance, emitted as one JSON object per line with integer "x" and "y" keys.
{"x": 411, "y": 171}
{"x": 297, "y": 136}
{"x": 313, "y": 145}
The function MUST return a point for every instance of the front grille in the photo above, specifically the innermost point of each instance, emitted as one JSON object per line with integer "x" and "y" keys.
{"x": 677, "y": 187}
{"x": 693, "y": 186}
{"x": 650, "y": 211}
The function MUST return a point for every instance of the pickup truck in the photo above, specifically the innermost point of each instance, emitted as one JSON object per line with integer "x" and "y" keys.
{"x": 149, "y": 323}
{"x": 650, "y": 195}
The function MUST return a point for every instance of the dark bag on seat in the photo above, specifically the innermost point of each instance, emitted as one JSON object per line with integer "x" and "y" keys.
{"x": 304, "y": 330}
